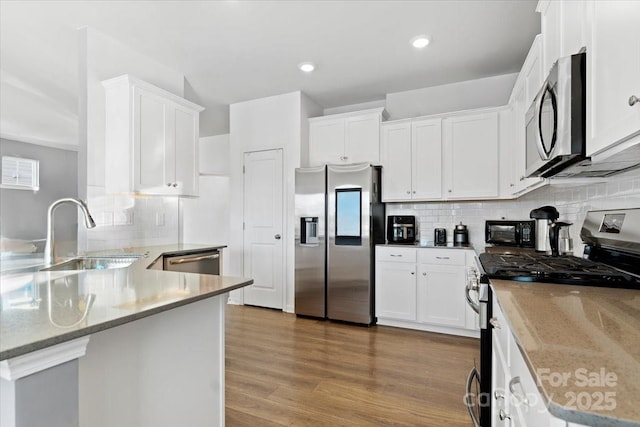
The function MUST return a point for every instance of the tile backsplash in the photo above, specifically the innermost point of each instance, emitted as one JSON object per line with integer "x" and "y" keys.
{"x": 572, "y": 200}
{"x": 127, "y": 220}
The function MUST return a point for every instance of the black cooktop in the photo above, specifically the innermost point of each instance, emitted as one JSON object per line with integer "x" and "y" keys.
{"x": 549, "y": 269}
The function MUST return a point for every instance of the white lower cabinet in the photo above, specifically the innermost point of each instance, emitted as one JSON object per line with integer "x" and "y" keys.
{"x": 515, "y": 399}
{"x": 396, "y": 290}
{"x": 423, "y": 288}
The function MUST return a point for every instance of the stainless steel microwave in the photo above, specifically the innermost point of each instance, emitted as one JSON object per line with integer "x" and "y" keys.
{"x": 555, "y": 122}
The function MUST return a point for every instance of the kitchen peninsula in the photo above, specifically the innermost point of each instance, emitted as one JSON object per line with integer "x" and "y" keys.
{"x": 127, "y": 346}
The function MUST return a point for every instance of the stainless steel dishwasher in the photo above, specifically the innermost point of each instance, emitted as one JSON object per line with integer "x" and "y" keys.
{"x": 207, "y": 262}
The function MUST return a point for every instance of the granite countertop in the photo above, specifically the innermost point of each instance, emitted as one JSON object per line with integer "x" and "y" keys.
{"x": 429, "y": 246}
{"x": 585, "y": 333}
{"x": 41, "y": 309}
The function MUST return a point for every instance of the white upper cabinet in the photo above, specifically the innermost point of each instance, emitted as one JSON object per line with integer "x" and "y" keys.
{"x": 471, "y": 156}
{"x": 532, "y": 72}
{"x": 563, "y": 25}
{"x": 411, "y": 154}
{"x": 426, "y": 162}
{"x": 345, "y": 138}
{"x": 613, "y": 73}
{"x": 396, "y": 156}
{"x": 151, "y": 139}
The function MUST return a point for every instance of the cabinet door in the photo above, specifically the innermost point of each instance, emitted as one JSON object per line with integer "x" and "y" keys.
{"x": 613, "y": 73}
{"x": 441, "y": 298}
{"x": 471, "y": 156}
{"x": 396, "y": 290}
{"x": 186, "y": 151}
{"x": 326, "y": 141}
{"x": 532, "y": 70}
{"x": 516, "y": 152}
{"x": 550, "y": 13}
{"x": 426, "y": 170}
{"x": 396, "y": 161}
{"x": 152, "y": 142}
{"x": 362, "y": 143}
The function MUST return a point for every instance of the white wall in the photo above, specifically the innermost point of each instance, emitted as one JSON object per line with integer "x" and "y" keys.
{"x": 572, "y": 201}
{"x": 275, "y": 122}
{"x": 481, "y": 93}
{"x": 122, "y": 220}
{"x": 205, "y": 219}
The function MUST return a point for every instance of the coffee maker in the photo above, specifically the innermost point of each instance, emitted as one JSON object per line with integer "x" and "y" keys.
{"x": 547, "y": 229}
{"x": 401, "y": 229}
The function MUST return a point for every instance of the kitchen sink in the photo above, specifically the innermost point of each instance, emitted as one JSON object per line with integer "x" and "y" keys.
{"x": 95, "y": 263}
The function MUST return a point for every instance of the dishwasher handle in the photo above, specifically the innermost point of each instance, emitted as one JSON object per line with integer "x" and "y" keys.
{"x": 193, "y": 259}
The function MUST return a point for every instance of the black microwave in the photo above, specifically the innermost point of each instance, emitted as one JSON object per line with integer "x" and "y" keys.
{"x": 511, "y": 233}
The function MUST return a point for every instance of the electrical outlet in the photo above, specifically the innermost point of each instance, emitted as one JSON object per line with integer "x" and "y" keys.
{"x": 159, "y": 219}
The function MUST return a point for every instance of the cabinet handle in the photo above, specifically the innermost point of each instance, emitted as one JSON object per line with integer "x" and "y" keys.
{"x": 442, "y": 257}
{"x": 413, "y": 272}
{"x": 424, "y": 273}
{"x": 498, "y": 395}
{"x": 394, "y": 255}
{"x": 494, "y": 322}
{"x": 512, "y": 185}
{"x": 345, "y": 158}
{"x": 633, "y": 100}
{"x": 408, "y": 192}
{"x": 503, "y": 415}
{"x": 168, "y": 184}
{"x": 414, "y": 191}
{"x": 449, "y": 191}
{"x": 522, "y": 397}
{"x": 522, "y": 178}
{"x": 174, "y": 185}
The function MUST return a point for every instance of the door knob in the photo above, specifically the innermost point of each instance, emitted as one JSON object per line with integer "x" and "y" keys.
{"x": 633, "y": 100}
{"x": 277, "y": 236}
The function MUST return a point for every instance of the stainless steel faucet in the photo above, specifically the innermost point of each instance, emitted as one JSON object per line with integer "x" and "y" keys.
{"x": 49, "y": 257}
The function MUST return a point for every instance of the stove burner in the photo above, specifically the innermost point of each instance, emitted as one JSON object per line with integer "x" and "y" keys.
{"x": 549, "y": 269}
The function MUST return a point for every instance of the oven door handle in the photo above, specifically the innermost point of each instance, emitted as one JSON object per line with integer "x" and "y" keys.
{"x": 472, "y": 287}
{"x": 472, "y": 374}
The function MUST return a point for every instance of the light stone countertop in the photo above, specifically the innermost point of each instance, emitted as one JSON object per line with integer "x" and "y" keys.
{"x": 41, "y": 309}
{"x": 589, "y": 334}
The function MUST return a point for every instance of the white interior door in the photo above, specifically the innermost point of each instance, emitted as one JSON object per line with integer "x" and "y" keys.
{"x": 263, "y": 226}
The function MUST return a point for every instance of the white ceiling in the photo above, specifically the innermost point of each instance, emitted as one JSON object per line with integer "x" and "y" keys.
{"x": 231, "y": 51}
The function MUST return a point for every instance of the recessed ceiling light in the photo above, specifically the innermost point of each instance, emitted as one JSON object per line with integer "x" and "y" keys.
{"x": 307, "y": 67}
{"x": 420, "y": 42}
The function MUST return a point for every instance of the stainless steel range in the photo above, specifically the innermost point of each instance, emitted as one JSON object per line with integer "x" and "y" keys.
{"x": 612, "y": 256}
{"x": 611, "y": 260}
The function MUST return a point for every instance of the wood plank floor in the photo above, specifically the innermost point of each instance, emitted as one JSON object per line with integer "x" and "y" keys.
{"x": 287, "y": 371}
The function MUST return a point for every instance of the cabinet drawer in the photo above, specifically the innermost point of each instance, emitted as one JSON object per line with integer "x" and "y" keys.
{"x": 500, "y": 331}
{"x": 395, "y": 254}
{"x": 442, "y": 256}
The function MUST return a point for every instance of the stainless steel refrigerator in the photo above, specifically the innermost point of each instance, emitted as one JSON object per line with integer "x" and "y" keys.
{"x": 339, "y": 220}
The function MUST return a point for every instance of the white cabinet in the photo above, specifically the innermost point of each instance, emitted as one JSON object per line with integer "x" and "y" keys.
{"x": 532, "y": 72}
{"x": 425, "y": 293}
{"x": 345, "y": 138}
{"x": 396, "y": 283}
{"x": 613, "y": 73}
{"x": 515, "y": 398}
{"x": 471, "y": 156}
{"x": 411, "y": 155}
{"x": 441, "y": 284}
{"x": 151, "y": 139}
{"x": 563, "y": 26}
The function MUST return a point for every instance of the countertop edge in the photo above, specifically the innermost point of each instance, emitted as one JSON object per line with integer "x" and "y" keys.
{"x": 39, "y": 345}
